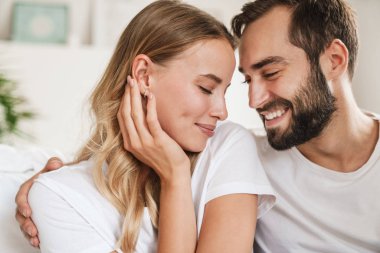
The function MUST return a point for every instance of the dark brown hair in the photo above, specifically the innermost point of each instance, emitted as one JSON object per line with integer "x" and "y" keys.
{"x": 314, "y": 25}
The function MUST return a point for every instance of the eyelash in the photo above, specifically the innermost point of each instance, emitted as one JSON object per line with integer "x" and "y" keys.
{"x": 205, "y": 91}
{"x": 246, "y": 81}
{"x": 269, "y": 75}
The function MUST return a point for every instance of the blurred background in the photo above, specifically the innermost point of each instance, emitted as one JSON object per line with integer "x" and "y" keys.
{"x": 56, "y": 50}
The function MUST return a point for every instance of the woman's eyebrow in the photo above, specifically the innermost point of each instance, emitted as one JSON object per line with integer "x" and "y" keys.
{"x": 213, "y": 77}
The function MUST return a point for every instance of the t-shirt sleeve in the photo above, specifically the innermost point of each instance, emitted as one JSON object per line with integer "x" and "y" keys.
{"x": 60, "y": 227}
{"x": 238, "y": 168}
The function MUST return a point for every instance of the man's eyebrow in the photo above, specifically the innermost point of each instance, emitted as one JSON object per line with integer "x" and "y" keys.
{"x": 266, "y": 61}
{"x": 213, "y": 78}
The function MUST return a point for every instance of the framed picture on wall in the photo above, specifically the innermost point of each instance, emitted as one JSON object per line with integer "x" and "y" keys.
{"x": 37, "y": 22}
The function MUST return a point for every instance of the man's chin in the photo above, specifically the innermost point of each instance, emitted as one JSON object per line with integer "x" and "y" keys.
{"x": 280, "y": 146}
{"x": 279, "y": 140}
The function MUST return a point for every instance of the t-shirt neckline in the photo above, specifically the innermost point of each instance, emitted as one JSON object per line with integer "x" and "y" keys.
{"x": 320, "y": 169}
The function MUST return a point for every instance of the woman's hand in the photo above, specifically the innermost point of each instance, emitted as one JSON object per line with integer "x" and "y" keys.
{"x": 145, "y": 139}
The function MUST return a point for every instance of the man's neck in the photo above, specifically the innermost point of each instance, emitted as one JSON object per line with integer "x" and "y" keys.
{"x": 347, "y": 143}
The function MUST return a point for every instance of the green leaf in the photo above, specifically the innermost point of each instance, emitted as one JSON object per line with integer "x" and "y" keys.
{"x": 10, "y": 108}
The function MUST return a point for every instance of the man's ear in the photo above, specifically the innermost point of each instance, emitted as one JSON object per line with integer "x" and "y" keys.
{"x": 334, "y": 61}
{"x": 141, "y": 70}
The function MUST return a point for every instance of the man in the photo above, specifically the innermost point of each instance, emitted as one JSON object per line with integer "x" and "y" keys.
{"x": 298, "y": 57}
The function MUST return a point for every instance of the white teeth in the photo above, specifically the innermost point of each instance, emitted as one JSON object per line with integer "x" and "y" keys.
{"x": 273, "y": 115}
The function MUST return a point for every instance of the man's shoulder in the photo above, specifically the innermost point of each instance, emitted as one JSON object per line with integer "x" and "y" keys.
{"x": 270, "y": 157}
{"x": 260, "y": 136}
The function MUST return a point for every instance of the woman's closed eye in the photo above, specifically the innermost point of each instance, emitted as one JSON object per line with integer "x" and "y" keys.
{"x": 205, "y": 90}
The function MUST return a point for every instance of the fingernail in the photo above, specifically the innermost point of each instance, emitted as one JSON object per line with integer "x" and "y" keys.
{"x": 24, "y": 213}
{"x": 31, "y": 241}
{"x": 29, "y": 231}
{"x": 132, "y": 84}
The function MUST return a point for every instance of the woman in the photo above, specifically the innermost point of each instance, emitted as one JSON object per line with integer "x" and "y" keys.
{"x": 158, "y": 174}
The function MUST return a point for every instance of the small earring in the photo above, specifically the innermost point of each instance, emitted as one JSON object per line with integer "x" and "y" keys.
{"x": 146, "y": 92}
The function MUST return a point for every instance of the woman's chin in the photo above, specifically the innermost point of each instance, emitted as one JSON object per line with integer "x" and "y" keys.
{"x": 194, "y": 147}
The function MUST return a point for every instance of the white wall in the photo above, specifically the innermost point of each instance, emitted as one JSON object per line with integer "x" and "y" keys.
{"x": 57, "y": 82}
{"x": 82, "y": 11}
{"x": 58, "y": 79}
{"x": 366, "y": 83}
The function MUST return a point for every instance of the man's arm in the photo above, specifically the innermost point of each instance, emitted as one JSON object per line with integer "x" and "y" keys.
{"x": 23, "y": 211}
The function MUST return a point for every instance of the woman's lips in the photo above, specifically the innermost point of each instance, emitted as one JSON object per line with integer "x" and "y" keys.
{"x": 206, "y": 129}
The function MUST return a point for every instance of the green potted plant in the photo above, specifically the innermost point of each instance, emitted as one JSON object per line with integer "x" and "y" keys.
{"x": 11, "y": 112}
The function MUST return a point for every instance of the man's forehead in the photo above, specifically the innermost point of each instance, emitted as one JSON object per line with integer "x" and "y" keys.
{"x": 253, "y": 52}
{"x": 275, "y": 22}
{"x": 266, "y": 38}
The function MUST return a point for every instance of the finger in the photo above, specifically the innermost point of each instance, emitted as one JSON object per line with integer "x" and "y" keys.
{"x": 121, "y": 121}
{"x": 34, "y": 241}
{"x": 53, "y": 164}
{"x": 152, "y": 119}
{"x": 20, "y": 218}
{"x": 22, "y": 197}
{"x": 131, "y": 131}
{"x": 22, "y": 194}
{"x": 138, "y": 114}
{"x": 25, "y": 234}
{"x": 29, "y": 228}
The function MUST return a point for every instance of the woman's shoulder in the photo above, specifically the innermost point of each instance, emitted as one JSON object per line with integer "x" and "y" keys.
{"x": 228, "y": 142}
{"x": 256, "y": 137}
{"x": 229, "y": 134}
{"x": 69, "y": 174}
{"x": 71, "y": 181}
{"x": 66, "y": 199}
{"x": 229, "y": 129}
{"x": 73, "y": 184}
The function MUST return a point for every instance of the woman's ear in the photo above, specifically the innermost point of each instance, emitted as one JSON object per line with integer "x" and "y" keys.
{"x": 141, "y": 70}
{"x": 334, "y": 61}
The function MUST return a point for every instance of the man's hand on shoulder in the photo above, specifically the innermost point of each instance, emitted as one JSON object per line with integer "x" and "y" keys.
{"x": 23, "y": 210}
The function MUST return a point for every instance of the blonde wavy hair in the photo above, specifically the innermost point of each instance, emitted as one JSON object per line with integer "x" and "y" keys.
{"x": 162, "y": 30}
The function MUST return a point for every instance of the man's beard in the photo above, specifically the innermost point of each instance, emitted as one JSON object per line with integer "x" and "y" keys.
{"x": 312, "y": 108}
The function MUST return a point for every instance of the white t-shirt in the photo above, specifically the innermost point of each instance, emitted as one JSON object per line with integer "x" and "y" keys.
{"x": 317, "y": 209}
{"x": 72, "y": 216}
